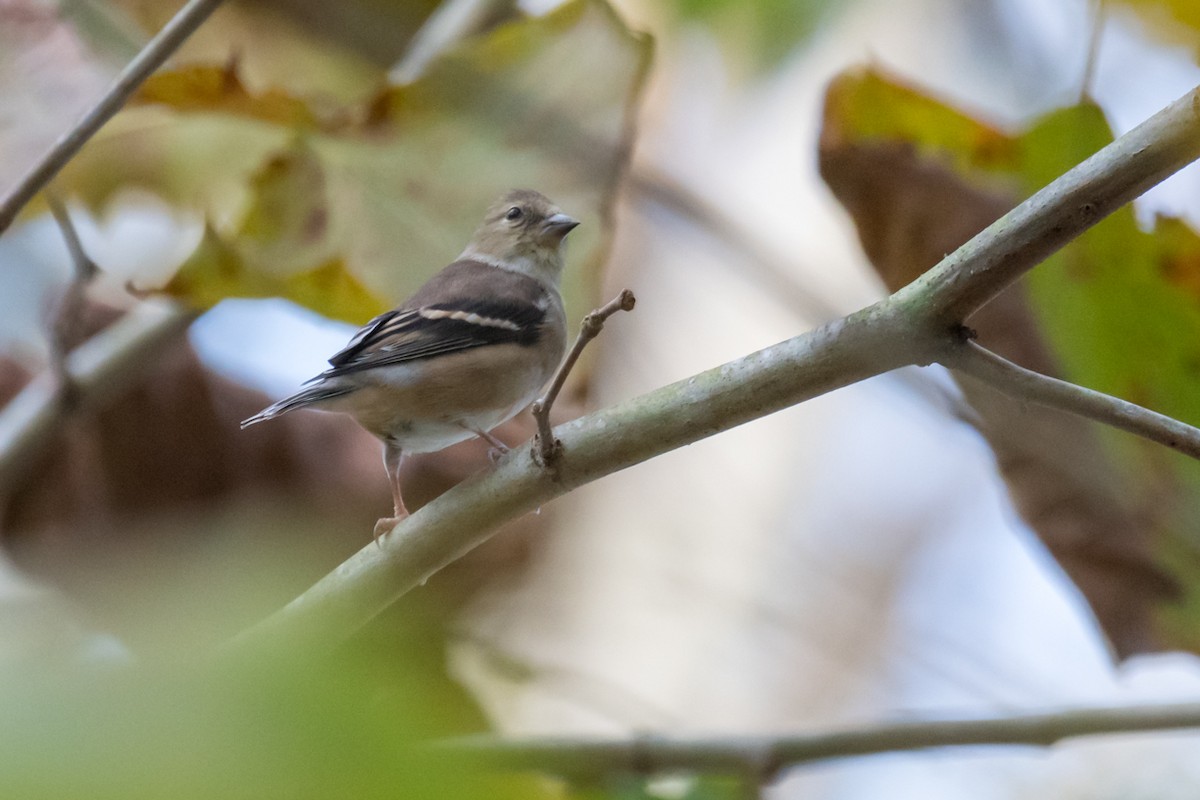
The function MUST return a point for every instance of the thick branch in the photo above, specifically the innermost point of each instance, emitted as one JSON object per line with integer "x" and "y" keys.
{"x": 914, "y": 326}
{"x": 546, "y": 446}
{"x": 97, "y": 369}
{"x": 835, "y": 355}
{"x": 151, "y": 57}
{"x": 1033, "y": 387}
{"x": 1027, "y": 235}
{"x": 765, "y": 757}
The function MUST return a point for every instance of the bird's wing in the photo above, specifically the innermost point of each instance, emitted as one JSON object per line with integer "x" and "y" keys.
{"x": 445, "y": 327}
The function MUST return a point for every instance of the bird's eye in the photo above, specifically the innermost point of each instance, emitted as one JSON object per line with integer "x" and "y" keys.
{"x": 514, "y": 213}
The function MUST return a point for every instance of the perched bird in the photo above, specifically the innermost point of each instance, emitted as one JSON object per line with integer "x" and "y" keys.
{"x": 464, "y": 354}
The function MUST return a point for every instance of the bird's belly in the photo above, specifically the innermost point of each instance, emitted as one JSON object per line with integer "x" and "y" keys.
{"x": 454, "y": 396}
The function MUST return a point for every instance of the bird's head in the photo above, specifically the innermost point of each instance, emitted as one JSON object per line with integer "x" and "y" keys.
{"x": 522, "y": 231}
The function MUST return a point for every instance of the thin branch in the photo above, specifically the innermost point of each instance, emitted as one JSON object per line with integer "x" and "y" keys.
{"x": 914, "y": 326}
{"x": 447, "y": 25}
{"x": 1031, "y": 232}
{"x": 68, "y": 315}
{"x": 1015, "y": 381}
{"x": 766, "y": 757}
{"x": 98, "y": 369}
{"x": 546, "y": 448}
{"x": 151, "y": 57}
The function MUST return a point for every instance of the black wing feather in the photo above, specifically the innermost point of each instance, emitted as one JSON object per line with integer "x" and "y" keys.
{"x": 406, "y": 334}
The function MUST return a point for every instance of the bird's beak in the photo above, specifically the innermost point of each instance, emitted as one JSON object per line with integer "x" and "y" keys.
{"x": 558, "y": 225}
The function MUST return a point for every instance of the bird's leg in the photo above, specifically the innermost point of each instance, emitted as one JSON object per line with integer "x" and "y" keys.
{"x": 499, "y": 448}
{"x": 392, "y": 456}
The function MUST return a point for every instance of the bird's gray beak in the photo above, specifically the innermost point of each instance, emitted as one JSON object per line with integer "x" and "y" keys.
{"x": 559, "y": 225}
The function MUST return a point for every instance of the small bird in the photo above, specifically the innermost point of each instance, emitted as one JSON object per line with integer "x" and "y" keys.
{"x": 464, "y": 354}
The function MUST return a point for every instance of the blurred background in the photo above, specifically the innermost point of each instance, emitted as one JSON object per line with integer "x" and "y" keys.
{"x": 909, "y": 547}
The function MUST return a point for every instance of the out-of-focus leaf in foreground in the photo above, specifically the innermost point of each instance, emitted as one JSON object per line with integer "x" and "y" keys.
{"x": 1116, "y": 310}
{"x": 158, "y": 531}
{"x": 278, "y": 728}
{"x": 377, "y": 197}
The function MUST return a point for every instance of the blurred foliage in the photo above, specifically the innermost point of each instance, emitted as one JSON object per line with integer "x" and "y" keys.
{"x": 49, "y": 76}
{"x": 758, "y": 34}
{"x": 1118, "y": 308}
{"x": 315, "y": 180}
{"x": 348, "y": 209}
{"x": 297, "y": 46}
{"x": 107, "y": 29}
{"x": 1169, "y": 20}
{"x": 273, "y": 726}
{"x": 867, "y": 105}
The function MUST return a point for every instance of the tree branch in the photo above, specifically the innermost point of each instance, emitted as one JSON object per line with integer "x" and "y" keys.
{"x": 546, "y": 446}
{"x": 449, "y": 23}
{"x": 982, "y": 364}
{"x": 765, "y": 757}
{"x": 67, "y": 317}
{"x": 916, "y": 325}
{"x": 97, "y": 370}
{"x": 151, "y": 57}
{"x": 1043, "y": 224}
{"x": 835, "y": 355}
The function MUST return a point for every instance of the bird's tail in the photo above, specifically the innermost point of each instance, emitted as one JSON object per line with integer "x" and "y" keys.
{"x": 300, "y": 399}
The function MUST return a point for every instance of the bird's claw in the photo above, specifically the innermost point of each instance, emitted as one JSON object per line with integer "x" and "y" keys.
{"x": 384, "y": 526}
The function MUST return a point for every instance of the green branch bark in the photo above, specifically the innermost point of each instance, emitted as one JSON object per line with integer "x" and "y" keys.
{"x": 762, "y": 758}
{"x": 919, "y": 324}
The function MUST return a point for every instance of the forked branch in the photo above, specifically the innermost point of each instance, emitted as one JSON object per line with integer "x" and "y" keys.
{"x": 1015, "y": 381}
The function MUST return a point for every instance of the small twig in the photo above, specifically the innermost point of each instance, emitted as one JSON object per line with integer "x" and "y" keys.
{"x": 765, "y": 757}
{"x": 151, "y": 57}
{"x": 1033, "y": 387}
{"x": 68, "y": 315}
{"x": 546, "y": 448}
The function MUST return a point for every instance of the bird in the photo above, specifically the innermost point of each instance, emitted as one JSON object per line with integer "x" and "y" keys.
{"x": 465, "y": 353}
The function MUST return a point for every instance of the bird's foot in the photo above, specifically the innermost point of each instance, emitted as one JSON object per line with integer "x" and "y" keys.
{"x": 384, "y": 526}
{"x": 497, "y": 453}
